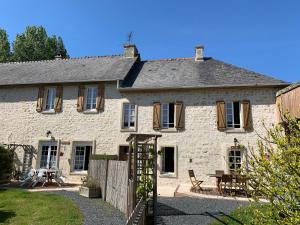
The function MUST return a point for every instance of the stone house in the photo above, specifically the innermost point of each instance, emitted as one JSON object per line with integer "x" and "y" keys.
{"x": 69, "y": 109}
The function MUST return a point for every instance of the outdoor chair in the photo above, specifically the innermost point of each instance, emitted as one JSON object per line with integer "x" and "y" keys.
{"x": 241, "y": 184}
{"x": 42, "y": 177}
{"x": 196, "y": 184}
{"x": 29, "y": 178}
{"x": 59, "y": 178}
{"x": 226, "y": 183}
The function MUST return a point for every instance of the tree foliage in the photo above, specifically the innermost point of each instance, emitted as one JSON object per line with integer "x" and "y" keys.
{"x": 6, "y": 162}
{"x": 34, "y": 44}
{"x": 274, "y": 172}
{"x": 4, "y": 46}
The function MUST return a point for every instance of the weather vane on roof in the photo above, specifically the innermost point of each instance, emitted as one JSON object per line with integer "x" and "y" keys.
{"x": 129, "y": 37}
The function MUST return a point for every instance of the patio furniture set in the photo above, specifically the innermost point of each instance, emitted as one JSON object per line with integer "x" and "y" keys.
{"x": 232, "y": 183}
{"x": 43, "y": 176}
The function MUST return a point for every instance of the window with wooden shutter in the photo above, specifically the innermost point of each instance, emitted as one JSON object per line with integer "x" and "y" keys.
{"x": 100, "y": 97}
{"x": 40, "y": 100}
{"x": 179, "y": 115}
{"x": 80, "y": 99}
{"x": 247, "y": 123}
{"x": 58, "y": 99}
{"x": 156, "y": 116}
{"x": 221, "y": 121}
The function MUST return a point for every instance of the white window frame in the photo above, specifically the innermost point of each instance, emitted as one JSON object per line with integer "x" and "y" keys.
{"x": 129, "y": 116}
{"x": 51, "y": 97}
{"x": 164, "y": 174}
{"x": 49, "y": 145}
{"x": 93, "y": 98}
{"x": 235, "y": 157}
{"x": 231, "y": 103}
{"x": 84, "y": 145}
{"x": 167, "y": 126}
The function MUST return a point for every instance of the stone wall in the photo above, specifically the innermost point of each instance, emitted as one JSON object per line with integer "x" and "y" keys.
{"x": 200, "y": 146}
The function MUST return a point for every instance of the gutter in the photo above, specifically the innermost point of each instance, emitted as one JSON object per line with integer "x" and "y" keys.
{"x": 129, "y": 89}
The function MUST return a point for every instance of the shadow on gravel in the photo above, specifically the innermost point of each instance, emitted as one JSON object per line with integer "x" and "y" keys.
{"x": 205, "y": 208}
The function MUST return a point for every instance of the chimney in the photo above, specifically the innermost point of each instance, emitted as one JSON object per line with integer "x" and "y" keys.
{"x": 58, "y": 57}
{"x": 130, "y": 51}
{"x": 199, "y": 53}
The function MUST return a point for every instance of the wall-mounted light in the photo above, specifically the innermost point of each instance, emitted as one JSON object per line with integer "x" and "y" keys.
{"x": 235, "y": 141}
{"x": 49, "y": 133}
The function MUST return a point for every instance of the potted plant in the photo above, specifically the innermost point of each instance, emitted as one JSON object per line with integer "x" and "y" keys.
{"x": 90, "y": 189}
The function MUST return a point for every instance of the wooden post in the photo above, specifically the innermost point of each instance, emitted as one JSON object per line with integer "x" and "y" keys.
{"x": 134, "y": 171}
{"x": 155, "y": 181}
{"x": 129, "y": 160}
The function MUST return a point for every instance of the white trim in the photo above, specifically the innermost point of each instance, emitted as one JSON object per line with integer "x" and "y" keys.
{"x": 168, "y": 119}
{"x": 133, "y": 128}
{"x": 87, "y": 87}
{"x": 78, "y": 143}
{"x": 52, "y": 97}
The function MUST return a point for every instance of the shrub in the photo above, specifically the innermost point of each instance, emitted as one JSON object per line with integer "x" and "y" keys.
{"x": 6, "y": 162}
{"x": 274, "y": 172}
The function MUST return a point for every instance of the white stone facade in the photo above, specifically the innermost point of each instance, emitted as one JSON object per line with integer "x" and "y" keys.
{"x": 200, "y": 146}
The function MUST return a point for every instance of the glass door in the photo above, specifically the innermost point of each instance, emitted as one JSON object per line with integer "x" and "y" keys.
{"x": 48, "y": 156}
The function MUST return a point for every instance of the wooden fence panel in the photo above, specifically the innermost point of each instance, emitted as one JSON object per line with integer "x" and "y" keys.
{"x": 117, "y": 184}
{"x": 98, "y": 172}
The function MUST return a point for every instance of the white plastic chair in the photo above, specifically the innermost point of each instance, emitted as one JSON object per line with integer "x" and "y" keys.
{"x": 29, "y": 178}
{"x": 59, "y": 178}
{"x": 42, "y": 177}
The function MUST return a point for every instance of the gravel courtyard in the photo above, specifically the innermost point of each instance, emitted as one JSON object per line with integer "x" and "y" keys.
{"x": 95, "y": 211}
{"x": 194, "y": 211}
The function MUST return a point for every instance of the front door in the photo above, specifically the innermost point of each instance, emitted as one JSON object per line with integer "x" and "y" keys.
{"x": 48, "y": 156}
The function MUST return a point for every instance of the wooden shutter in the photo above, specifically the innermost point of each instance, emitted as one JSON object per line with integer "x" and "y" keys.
{"x": 80, "y": 99}
{"x": 100, "y": 97}
{"x": 40, "y": 99}
{"x": 156, "y": 116}
{"x": 221, "y": 120}
{"x": 246, "y": 114}
{"x": 179, "y": 115}
{"x": 58, "y": 99}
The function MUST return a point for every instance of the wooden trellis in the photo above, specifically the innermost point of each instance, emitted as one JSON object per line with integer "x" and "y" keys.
{"x": 142, "y": 171}
{"x": 28, "y": 154}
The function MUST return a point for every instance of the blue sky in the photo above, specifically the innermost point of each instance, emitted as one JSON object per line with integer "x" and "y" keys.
{"x": 260, "y": 35}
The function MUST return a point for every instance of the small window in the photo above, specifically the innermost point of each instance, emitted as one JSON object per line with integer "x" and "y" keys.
{"x": 168, "y": 160}
{"x": 91, "y": 96}
{"x": 82, "y": 157}
{"x": 168, "y": 115}
{"x": 235, "y": 159}
{"x": 128, "y": 116}
{"x": 233, "y": 115}
{"x": 50, "y": 94}
{"x": 123, "y": 152}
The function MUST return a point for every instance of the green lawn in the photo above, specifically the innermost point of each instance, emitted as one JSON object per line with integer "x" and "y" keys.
{"x": 243, "y": 215}
{"x": 19, "y": 207}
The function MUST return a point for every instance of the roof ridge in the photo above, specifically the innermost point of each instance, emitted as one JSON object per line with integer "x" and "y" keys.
{"x": 170, "y": 59}
{"x": 62, "y": 59}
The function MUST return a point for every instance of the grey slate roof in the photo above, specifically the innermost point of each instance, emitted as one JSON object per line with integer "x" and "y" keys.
{"x": 88, "y": 69}
{"x": 188, "y": 73}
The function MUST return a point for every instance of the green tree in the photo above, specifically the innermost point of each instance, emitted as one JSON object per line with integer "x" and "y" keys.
{"x": 34, "y": 44}
{"x": 274, "y": 172}
{"x": 4, "y": 46}
{"x": 6, "y": 165}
